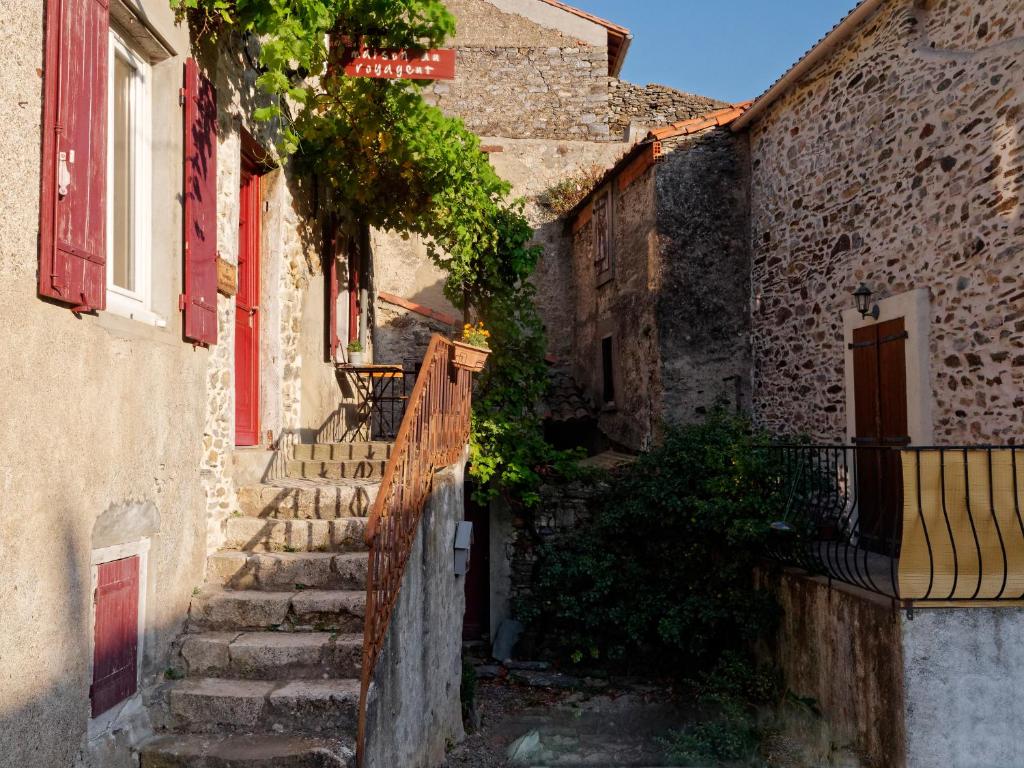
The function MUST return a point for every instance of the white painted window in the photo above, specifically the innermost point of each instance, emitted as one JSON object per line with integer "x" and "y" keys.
{"x": 128, "y": 183}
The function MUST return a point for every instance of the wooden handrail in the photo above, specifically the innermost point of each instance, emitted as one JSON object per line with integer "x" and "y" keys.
{"x": 433, "y": 435}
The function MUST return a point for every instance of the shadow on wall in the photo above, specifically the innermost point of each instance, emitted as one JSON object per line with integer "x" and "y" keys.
{"x": 42, "y": 722}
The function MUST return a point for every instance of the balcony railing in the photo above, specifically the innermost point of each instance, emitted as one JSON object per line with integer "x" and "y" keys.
{"x": 914, "y": 524}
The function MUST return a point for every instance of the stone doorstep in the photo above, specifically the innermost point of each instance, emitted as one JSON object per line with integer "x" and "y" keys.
{"x": 356, "y": 469}
{"x": 227, "y": 610}
{"x": 378, "y": 451}
{"x": 189, "y": 751}
{"x": 273, "y": 655}
{"x": 255, "y": 534}
{"x": 307, "y": 499}
{"x": 210, "y": 704}
{"x": 288, "y": 570}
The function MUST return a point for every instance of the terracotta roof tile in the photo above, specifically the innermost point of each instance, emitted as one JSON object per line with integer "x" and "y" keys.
{"x": 719, "y": 117}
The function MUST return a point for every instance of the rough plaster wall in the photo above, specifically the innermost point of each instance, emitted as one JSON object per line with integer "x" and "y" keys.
{"x": 518, "y": 78}
{"x": 401, "y": 266}
{"x": 898, "y": 162}
{"x": 82, "y": 436}
{"x": 962, "y": 670}
{"x": 414, "y": 709}
{"x": 623, "y": 308}
{"x": 703, "y": 304}
{"x": 841, "y": 648}
{"x": 649, "y": 106}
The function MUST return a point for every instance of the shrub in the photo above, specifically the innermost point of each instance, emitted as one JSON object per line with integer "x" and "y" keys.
{"x": 661, "y": 578}
{"x": 568, "y": 193}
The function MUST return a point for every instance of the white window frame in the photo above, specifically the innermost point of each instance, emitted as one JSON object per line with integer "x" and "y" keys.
{"x": 121, "y": 301}
{"x": 140, "y": 549}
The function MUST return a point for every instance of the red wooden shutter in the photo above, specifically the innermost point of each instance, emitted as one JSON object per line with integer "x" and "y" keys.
{"x": 116, "y": 638}
{"x": 73, "y": 218}
{"x": 331, "y": 291}
{"x": 199, "y": 301}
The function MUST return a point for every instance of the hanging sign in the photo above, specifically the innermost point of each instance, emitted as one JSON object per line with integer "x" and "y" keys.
{"x": 400, "y": 63}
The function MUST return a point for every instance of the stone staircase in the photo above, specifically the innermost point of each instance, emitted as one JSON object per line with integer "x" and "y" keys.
{"x": 271, "y": 657}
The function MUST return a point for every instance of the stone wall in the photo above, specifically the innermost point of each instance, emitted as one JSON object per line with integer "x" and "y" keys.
{"x": 554, "y": 92}
{"x": 897, "y": 162}
{"x": 653, "y": 105}
{"x": 704, "y": 255}
{"x": 414, "y": 709}
{"x": 522, "y": 74}
{"x": 841, "y": 649}
{"x": 623, "y": 308}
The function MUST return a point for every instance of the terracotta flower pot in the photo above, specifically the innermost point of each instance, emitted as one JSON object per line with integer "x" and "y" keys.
{"x": 470, "y": 358}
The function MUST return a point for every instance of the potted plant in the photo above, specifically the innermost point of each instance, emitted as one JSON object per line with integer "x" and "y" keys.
{"x": 472, "y": 349}
{"x": 355, "y": 353}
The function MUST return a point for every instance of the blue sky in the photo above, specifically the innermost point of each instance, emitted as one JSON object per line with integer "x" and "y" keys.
{"x": 730, "y": 49}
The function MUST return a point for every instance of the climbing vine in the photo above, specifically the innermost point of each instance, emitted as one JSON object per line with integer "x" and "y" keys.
{"x": 394, "y": 162}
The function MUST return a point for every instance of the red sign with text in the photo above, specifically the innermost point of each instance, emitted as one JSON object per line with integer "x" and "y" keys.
{"x": 400, "y": 64}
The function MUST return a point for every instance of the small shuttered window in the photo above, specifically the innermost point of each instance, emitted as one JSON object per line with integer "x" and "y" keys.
{"x": 72, "y": 230}
{"x": 199, "y": 301}
{"x": 116, "y": 635}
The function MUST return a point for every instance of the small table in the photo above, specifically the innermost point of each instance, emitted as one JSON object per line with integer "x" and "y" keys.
{"x": 382, "y": 393}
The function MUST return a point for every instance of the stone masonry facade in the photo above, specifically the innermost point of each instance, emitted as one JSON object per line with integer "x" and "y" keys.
{"x": 653, "y": 105}
{"x": 898, "y": 162}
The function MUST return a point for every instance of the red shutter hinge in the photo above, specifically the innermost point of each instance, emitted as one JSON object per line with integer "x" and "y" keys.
{"x": 181, "y": 97}
{"x": 182, "y": 302}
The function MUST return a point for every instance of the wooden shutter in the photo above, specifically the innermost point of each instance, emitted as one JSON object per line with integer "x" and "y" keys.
{"x": 73, "y": 219}
{"x": 199, "y": 301}
{"x": 116, "y": 637}
{"x": 880, "y": 405}
{"x": 331, "y": 291}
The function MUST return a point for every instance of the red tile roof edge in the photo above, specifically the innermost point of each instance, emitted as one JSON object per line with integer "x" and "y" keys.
{"x": 419, "y": 309}
{"x": 717, "y": 118}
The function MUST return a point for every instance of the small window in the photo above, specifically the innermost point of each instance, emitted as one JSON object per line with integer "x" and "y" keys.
{"x": 607, "y": 372}
{"x": 128, "y": 163}
{"x": 603, "y": 238}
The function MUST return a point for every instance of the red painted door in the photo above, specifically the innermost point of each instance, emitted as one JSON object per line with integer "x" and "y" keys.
{"x": 116, "y": 636}
{"x": 247, "y": 313}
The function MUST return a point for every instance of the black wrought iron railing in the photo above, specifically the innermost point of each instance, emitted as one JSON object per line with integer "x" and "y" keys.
{"x": 915, "y": 524}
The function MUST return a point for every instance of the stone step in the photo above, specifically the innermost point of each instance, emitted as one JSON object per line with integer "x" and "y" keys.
{"x": 357, "y": 469}
{"x": 308, "y": 499}
{"x": 218, "y": 751}
{"x": 213, "y": 704}
{"x": 218, "y": 609}
{"x": 342, "y": 451}
{"x": 287, "y": 570}
{"x": 254, "y": 534}
{"x": 273, "y": 655}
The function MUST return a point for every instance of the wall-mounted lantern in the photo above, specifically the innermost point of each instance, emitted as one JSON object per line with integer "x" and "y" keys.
{"x": 863, "y": 296}
{"x": 463, "y": 543}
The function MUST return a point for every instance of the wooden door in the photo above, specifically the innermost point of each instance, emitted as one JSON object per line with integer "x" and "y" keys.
{"x": 880, "y": 405}
{"x": 477, "y": 620}
{"x": 116, "y": 634}
{"x": 247, "y": 313}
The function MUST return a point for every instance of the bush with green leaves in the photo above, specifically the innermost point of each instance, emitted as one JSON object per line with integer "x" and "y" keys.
{"x": 660, "y": 579}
